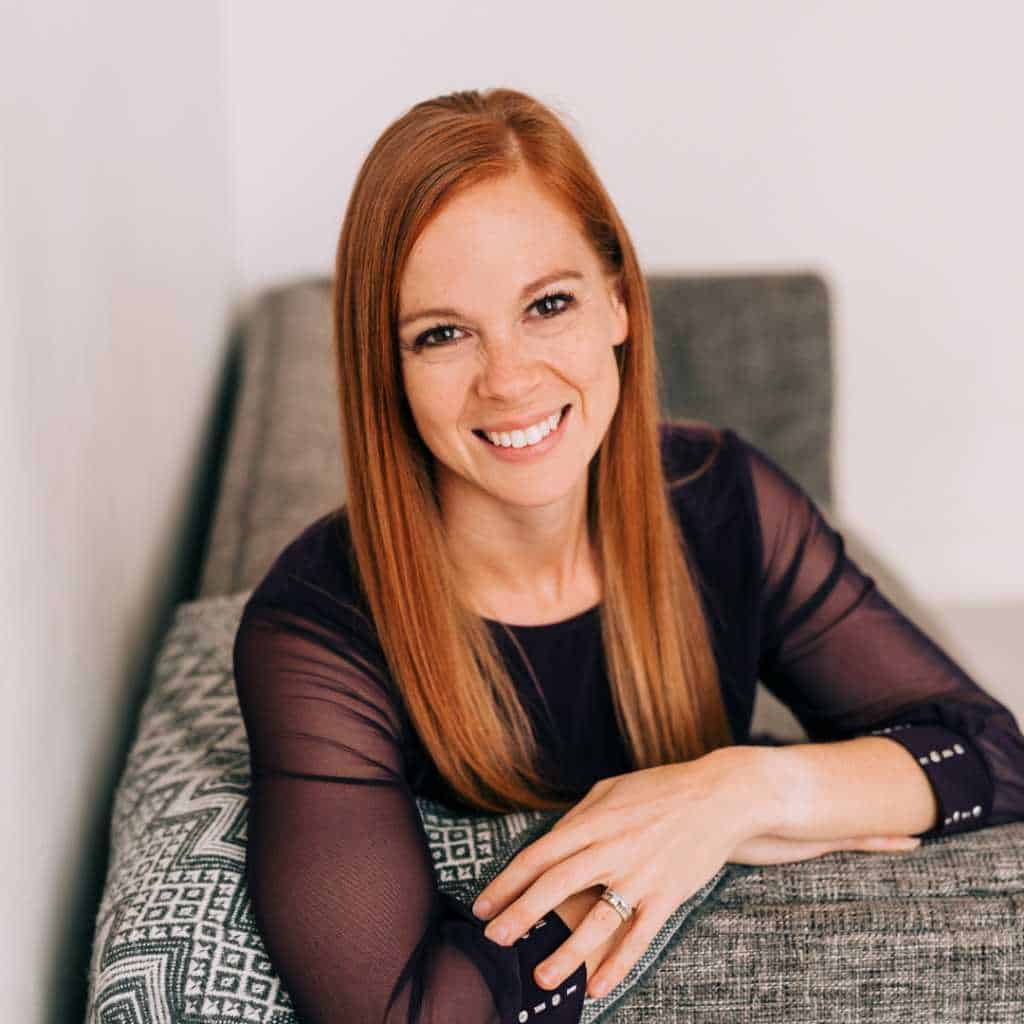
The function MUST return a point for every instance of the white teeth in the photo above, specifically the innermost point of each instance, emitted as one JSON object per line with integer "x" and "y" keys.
{"x": 529, "y": 436}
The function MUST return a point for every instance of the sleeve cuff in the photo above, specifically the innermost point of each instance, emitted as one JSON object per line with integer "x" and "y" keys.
{"x": 498, "y": 964}
{"x": 508, "y": 971}
{"x": 564, "y": 1003}
{"x": 956, "y": 771}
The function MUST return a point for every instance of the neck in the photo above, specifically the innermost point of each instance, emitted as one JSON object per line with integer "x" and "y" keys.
{"x": 512, "y": 560}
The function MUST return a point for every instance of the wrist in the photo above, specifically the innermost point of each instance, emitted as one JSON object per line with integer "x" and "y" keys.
{"x": 763, "y": 786}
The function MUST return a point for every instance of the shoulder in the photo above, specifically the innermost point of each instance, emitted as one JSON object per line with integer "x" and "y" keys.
{"x": 698, "y": 454}
{"x": 315, "y": 574}
{"x": 706, "y": 476}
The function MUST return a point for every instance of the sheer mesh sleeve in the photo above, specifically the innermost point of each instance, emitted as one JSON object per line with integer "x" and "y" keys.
{"x": 338, "y": 864}
{"x": 848, "y": 663}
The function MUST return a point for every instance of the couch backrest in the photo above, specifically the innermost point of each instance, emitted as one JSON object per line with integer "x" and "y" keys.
{"x": 750, "y": 352}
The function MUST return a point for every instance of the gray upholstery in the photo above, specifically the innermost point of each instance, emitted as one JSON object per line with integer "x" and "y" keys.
{"x": 283, "y": 465}
{"x": 752, "y": 353}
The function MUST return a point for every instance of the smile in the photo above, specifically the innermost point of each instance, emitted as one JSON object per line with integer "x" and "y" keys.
{"x": 521, "y": 444}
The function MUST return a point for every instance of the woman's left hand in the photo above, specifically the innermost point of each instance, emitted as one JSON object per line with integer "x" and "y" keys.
{"x": 655, "y": 836}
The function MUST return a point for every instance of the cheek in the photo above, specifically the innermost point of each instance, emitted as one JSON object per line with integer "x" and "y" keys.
{"x": 590, "y": 356}
{"x": 433, "y": 401}
{"x": 591, "y": 366}
{"x": 418, "y": 398}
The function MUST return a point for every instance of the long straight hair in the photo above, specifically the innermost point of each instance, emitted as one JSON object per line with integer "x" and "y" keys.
{"x": 441, "y": 655}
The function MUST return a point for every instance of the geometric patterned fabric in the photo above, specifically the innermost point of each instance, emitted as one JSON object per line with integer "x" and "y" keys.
{"x": 937, "y": 934}
{"x": 175, "y": 937}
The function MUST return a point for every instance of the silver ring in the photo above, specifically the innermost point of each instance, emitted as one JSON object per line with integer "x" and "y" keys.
{"x": 624, "y": 909}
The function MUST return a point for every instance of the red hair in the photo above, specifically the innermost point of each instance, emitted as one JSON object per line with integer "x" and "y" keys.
{"x": 460, "y": 698}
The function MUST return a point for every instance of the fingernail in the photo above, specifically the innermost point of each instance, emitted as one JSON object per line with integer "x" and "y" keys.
{"x": 482, "y": 908}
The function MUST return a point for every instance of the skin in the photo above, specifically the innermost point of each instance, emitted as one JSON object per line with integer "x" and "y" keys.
{"x": 520, "y": 540}
{"x": 518, "y": 530}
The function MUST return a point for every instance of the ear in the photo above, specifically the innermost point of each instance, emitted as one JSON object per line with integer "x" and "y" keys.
{"x": 621, "y": 312}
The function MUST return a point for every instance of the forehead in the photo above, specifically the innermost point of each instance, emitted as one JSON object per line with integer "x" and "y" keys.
{"x": 495, "y": 235}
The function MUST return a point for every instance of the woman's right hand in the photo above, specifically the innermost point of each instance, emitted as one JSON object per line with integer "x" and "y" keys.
{"x": 778, "y": 850}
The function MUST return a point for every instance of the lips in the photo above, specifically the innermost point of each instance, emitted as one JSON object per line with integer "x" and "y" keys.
{"x": 482, "y": 434}
{"x": 530, "y": 452}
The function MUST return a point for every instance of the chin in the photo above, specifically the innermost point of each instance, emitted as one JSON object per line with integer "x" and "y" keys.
{"x": 538, "y": 494}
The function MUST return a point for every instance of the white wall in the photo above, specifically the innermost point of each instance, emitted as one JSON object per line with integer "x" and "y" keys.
{"x": 114, "y": 286}
{"x": 877, "y": 143}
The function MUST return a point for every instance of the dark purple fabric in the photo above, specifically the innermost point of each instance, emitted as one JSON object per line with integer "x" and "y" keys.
{"x": 339, "y": 870}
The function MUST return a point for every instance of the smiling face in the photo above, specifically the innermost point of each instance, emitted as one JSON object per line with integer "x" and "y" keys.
{"x": 521, "y": 323}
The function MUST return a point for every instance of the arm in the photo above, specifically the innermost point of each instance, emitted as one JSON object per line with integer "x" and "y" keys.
{"x": 863, "y": 787}
{"x": 338, "y": 864}
{"x": 853, "y": 668}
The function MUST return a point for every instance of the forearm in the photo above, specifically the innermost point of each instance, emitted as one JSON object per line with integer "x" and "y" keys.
{"x": 870, "y": 785}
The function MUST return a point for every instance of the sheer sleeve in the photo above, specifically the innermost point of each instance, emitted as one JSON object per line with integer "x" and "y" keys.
{"x": 338, "y": 864}
{"x": 848, "y": 663}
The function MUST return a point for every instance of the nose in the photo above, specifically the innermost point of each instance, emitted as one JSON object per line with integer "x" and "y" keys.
{"x": 508, "y": 369}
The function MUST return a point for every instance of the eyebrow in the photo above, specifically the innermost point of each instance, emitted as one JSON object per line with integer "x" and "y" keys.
{"x": 533, "y": 286}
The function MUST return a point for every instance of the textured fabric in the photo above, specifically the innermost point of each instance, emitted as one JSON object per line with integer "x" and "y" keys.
{"x": 283, "y": 463}
{"x": 935, "y": 935}
{"x": 331, "y": 745}
{"x": 176, "y": 941}
{"x": 754, "y": 352}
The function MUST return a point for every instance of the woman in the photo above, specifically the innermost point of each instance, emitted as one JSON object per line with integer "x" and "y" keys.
{"x": 538, "y": 596}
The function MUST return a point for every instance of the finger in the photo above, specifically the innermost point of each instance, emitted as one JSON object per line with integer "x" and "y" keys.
{"x": 885, "y": 844}
{"x": 553, "y": 886}
{"x": 642, "y": 928}
{"x": 766, "y": 849}
{"x": 525, "y": 867}
{"x": 601, "y": 922}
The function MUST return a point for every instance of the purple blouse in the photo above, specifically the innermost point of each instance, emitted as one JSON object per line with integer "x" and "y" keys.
{"x": 339, "y": 870}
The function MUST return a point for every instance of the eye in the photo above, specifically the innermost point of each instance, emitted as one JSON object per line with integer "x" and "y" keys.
{"x": 567, "y": 297}
{"x": 424, "y": 340}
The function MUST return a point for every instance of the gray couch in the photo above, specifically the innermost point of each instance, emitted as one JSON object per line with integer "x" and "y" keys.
{"x": 936, "y": 935}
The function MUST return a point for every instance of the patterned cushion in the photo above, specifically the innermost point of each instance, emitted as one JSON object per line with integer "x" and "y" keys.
{"x": 934, "y": 935}
{"x": 175, "y": 936}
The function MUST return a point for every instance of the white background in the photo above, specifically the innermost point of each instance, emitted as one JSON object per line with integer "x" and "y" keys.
{"x": 160, "y": 163}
